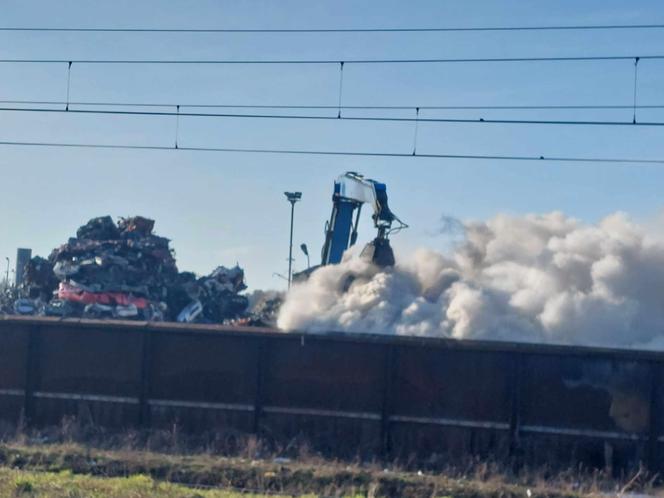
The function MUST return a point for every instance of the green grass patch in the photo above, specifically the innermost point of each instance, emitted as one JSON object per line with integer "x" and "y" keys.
{"x": 30, "y": 484}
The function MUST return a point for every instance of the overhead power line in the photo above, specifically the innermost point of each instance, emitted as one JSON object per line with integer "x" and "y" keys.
{"x": 450, "y": 29}
{"x": 338, "y": 117}
{"x": 581, "y": 58}
{"x": 479, "y": 157}
{"x": 335, "y": 107}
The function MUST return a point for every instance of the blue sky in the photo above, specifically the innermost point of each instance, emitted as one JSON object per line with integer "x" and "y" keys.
{"x": 227, "y": 208}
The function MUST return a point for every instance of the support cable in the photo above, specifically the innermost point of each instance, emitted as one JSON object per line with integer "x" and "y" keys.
{"x": 636, "y": 73}
{"x": 101, "y": 29}
{"x": 564, "y": 159}
{"x": 582, "y": 58}
{"x": 417, "y": 121}
{"x": 335, "y": 107}
{"x": 341, "y": 85}
{"x": 343, "y": 118}
{"x": 177, "y": 125}
{"x": 68, "y": 84}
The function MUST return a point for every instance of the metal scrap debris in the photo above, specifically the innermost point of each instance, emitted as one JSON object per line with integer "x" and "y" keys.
{"x": 123, "y": 270}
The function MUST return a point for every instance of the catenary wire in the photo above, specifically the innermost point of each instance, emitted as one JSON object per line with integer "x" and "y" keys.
{"x": 338, "y": 117}
{"x": 335, "y": 107}
{"x": 101, "y": 29}
{"x": 480, "y": 157}
{"x": 580, "y": 58}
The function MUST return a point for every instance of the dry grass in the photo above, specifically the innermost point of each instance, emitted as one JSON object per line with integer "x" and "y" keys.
{"x": 262, "y": 476}
{"x": 248, "y": 465}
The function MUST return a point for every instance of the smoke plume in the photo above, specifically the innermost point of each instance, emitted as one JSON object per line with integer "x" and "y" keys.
{"x": 538, "y": 278}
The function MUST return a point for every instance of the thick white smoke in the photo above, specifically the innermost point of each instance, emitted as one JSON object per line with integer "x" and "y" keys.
{"x": 538, "y": 278}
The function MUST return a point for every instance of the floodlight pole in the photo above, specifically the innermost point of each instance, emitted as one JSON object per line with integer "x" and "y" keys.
{"x": 292, "y": 197}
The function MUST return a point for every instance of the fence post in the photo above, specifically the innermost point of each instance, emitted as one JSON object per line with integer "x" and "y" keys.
{"x": 389, "y": 365}
{"x": 146, "y": 367}
{"x": 32, "y": 373}
{"x": 654, "y": 414}
{"x": 261, "y": 356}
{"x": 515, "y": 376}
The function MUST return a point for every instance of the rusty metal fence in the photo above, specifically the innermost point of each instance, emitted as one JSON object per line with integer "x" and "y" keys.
{"x": 347, "y": 394}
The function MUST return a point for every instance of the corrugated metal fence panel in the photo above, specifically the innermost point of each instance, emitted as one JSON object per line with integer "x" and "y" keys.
{"x": 656, "y": 449}
{"x": 326, "y": 391}
{"x": 581, "y": 404}
{"x": 344, "y": 394}
{"x": 92, "y": 373}
{"x": 586, "y": 395}
{"x": 447, "y": 401}
{"x": 202, "y": 382}
{"x": 13, "y": 357}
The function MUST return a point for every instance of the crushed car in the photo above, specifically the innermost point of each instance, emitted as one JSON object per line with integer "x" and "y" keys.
{"x": 124, "y": 271}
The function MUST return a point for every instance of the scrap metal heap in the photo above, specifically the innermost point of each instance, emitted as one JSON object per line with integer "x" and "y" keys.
{"x": 215, "y": 298}
{"x": 125, "y": 271}
{"x": 113, "y": 270}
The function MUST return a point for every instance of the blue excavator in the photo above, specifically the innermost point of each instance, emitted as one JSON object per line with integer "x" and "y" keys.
{"x": 351, "y": 192}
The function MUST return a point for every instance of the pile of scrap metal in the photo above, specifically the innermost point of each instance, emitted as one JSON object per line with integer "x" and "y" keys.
{"x": 215, "y": 298}
{"x": 39, "y": 284}
{"x": 8, "y": 296}
{"x": 125, "y": 271}
{"x": 264, "y": 308}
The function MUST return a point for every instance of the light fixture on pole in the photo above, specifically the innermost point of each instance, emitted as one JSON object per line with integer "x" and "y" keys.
{"x": 292, "y": 197}
{"x": 305, "y": 250}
